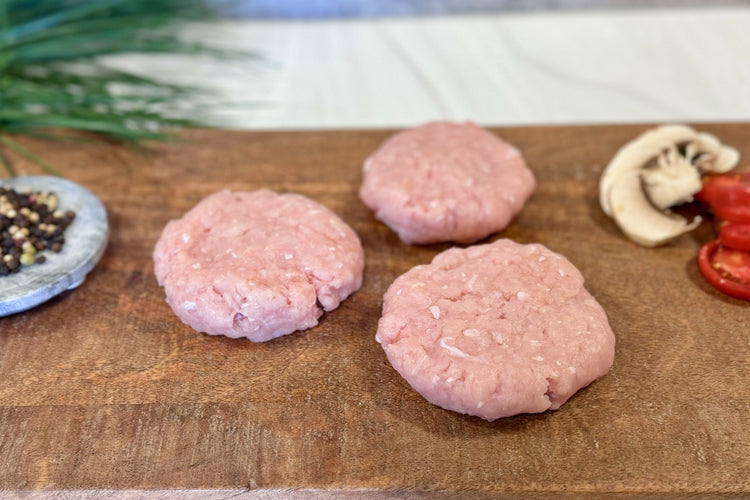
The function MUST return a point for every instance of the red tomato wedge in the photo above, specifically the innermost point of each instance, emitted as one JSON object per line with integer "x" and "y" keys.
{"x": 735, "y": 235}
{"x": 726, "y": 269}
{"x": 729, "y": 189}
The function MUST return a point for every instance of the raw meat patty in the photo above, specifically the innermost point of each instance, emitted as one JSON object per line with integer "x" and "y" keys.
{"x": 495, "y": 330}
{"x": 257, "y": 264}
{"x": 446, "y": 182}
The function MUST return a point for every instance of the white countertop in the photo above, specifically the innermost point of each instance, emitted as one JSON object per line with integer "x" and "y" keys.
{"x": 610, "y": 66}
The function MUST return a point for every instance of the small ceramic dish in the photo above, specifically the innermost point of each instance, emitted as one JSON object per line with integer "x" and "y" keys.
{"x": 85, "y": 241}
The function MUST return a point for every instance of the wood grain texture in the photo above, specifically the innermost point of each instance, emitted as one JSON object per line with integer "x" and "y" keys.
{"x": 104, "y": 388}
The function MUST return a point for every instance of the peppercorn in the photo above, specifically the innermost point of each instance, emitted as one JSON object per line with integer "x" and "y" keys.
{"x": 30, "y": 222}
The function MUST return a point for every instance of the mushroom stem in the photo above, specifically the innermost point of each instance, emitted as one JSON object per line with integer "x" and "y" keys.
{"x": 672, "y": 181}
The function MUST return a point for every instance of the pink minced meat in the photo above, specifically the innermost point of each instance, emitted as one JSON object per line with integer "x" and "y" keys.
{"x": 495, "y": 330}
{"x": 257, "y": 264}
{"x": 446, "y": 181}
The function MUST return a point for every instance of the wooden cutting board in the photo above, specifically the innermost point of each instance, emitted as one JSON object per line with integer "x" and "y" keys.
{"x": 104, "y": 388}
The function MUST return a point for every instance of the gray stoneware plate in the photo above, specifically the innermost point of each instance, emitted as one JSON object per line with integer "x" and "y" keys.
{"x": 85, "y": 241}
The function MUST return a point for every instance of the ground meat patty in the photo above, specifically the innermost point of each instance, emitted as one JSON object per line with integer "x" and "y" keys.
{"x": 257, "y": 264}
{"x": 495, "y": 330}
{"x": 446, "y": 182}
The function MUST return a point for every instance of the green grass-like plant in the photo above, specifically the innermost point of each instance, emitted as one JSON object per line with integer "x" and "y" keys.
{"x": 51, "y": 80}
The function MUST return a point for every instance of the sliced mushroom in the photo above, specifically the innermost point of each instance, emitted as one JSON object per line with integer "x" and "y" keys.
{"x": 633, "y": 156}
{"x": 637, "y": 217}
{"x": 671, "y": 180}
{"x": 657, "y": 170}
{"x": 708, "y": 154}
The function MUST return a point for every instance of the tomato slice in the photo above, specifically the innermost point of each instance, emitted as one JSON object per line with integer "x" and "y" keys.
{"x": 733, "y": 213}
{"x": 735, "y": 235}
{"x": 731, "y": 188}
{"x": 726, "y": 269}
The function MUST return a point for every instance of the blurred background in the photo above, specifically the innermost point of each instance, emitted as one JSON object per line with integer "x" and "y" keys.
{"x": 397, "y": 63}
{"x": 365, "y": 8}
{"x": 319, "y": 64}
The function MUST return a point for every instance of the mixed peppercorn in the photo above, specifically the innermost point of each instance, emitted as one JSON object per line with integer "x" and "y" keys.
{"x": 30, "y": 222}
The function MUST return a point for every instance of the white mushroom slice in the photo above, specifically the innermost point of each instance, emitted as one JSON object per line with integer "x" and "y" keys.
{"x": 725, "y": 161}
{"x": 676, "y": 177}
{"x": 633, "y": 156}
{"x": 659, "y": 169}
{"x": 708, "y": 154}
{"x": 637, "y": 217}
{"x": 673, "y": 180}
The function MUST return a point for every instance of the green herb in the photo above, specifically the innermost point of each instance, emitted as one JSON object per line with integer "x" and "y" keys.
{"x": 51, "y": 79}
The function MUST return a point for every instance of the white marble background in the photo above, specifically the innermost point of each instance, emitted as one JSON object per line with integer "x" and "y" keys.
{"x": 540, "y": 67}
